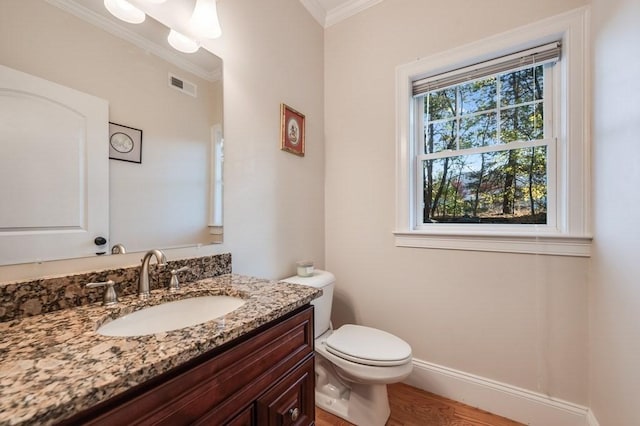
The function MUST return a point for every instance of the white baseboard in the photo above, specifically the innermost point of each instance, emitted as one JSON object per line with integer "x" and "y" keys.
{"x": 505, "y": 400}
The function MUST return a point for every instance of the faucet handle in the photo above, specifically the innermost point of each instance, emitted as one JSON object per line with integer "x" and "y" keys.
{"x": 174, "y": 284}
{"x": 110, "y": 297}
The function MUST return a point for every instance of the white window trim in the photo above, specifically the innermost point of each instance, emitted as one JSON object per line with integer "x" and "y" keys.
{"x": 216, "y": 163}
{"x": 572, "y": 234}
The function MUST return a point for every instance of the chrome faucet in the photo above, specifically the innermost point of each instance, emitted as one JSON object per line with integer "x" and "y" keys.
{"x": 143, "y": 289}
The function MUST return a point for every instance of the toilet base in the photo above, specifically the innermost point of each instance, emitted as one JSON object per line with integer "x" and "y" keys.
{"x": 362, "y": 405}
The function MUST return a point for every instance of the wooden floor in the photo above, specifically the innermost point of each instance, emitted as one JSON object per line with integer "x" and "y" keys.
{"x": 415, "y": 407}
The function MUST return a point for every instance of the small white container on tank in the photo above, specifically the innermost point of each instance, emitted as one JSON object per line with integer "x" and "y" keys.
{"x": 305, "y": 268}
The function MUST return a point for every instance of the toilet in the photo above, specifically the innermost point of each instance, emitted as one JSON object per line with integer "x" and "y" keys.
{"x": 354, "y": 363}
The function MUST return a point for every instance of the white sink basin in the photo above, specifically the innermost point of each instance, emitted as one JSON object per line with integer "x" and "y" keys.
{"x": 171, "y": 316}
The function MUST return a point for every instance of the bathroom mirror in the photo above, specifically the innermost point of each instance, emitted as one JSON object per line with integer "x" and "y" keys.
{"x": 169, "y": 195}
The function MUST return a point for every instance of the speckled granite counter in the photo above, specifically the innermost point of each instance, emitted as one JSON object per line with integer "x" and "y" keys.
{"x": 54, "y": 365}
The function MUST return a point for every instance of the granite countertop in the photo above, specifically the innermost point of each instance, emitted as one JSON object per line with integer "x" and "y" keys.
{"x": 55, "y": 365}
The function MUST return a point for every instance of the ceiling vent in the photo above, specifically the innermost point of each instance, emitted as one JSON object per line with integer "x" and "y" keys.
{"x": 183, "y": 85}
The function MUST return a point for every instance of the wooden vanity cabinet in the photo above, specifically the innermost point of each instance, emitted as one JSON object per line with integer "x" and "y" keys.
{"x": 264, "y": 378}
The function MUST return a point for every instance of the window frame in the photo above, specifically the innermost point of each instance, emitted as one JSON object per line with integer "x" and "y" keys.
{"x": 570, "y": 234}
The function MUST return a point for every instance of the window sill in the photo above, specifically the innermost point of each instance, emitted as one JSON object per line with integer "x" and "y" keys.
{"x": 555, "y": 245}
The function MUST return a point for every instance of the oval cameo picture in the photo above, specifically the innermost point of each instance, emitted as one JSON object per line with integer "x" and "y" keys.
{"x": 293, "y": 132}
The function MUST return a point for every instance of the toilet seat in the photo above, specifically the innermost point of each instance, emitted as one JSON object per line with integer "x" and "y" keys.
{"x": 368, "y": 346}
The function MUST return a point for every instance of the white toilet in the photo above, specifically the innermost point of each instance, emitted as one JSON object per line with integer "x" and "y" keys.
{"x": 354, "y": 364}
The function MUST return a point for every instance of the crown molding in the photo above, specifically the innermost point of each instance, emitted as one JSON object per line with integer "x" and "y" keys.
{"x": 327, "y": 18}
{"x": 347, "y": 10}
{"x": 124, "y": 33}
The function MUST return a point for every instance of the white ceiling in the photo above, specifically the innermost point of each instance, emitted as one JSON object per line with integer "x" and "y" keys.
{"x": 330, "y": 12}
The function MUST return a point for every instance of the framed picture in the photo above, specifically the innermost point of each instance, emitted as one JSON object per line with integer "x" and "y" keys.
{"x": 125, "y": 143}
{"x": 291, "y": 130}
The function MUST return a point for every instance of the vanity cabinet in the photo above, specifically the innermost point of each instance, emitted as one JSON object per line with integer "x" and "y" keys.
{"x": 264, "y": 378}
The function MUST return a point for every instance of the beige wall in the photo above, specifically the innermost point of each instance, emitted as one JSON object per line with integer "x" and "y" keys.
{"x": 274, "y": 201}
{"x": 519, "y": 319}
{"x": 615, "y": 284}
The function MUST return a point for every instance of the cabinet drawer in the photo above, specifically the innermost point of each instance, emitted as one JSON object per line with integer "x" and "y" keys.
{"x": 291, "y": 401}
{"x": 217, "y": 386}
{"x": 245, "y": 418}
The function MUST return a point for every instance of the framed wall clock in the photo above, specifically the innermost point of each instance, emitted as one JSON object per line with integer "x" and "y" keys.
{"x": 125, "y": 143}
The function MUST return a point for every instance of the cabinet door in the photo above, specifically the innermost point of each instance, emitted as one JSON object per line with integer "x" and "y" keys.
{"x": 290, "y": 401}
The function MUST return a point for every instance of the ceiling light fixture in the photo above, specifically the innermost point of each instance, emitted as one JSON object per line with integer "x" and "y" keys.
{"x": 156, "y": 1}
{"x": 204, "y": 20}
{"x": 182, "y": 43}
{"x": 125, "y": 11}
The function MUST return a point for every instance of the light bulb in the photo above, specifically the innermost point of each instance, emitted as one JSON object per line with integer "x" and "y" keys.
{"x": 204, "y": 20}
{"x": 125, "y": 11}
{"x": 182, "y": 43}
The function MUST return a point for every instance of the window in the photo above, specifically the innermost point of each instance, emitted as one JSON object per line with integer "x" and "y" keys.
{"x": 492, "y": 144}
{"x": 484, "y": 143}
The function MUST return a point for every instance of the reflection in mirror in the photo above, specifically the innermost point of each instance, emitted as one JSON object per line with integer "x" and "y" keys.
{"x": 172, "y": 198}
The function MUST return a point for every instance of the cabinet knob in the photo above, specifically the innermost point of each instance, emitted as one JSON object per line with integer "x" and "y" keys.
{"x": 294, "y": 413}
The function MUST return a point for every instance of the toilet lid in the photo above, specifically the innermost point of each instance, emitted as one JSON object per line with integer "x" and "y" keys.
{"x": 369, "y": 346}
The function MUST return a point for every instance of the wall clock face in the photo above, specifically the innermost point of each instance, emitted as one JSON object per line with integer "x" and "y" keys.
{"x": 121, "y": 142}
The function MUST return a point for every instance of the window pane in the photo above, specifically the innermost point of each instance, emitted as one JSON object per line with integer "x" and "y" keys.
{"x": 539, "y": 82}
{"x": 522, "y": 123}
{"x": 478, "y": 96}
{"x": 497, "y": 187}
{"x": 439, "y": 136}
{"x": 478, "y": 130}
{"x": 521, "y": 86}
{"x": 441, "y": 104}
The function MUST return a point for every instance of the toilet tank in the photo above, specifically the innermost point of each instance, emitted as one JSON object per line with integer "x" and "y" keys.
{"x": 322, "y": 305}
